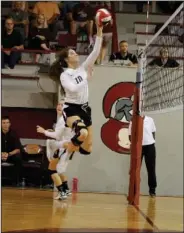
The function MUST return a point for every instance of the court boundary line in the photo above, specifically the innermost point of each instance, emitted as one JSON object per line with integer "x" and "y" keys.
{"x": 151, "y": 223}
{"x": 82, "y": 192}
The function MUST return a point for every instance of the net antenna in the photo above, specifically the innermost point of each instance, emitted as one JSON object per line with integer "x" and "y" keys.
{"x": 147, "y": 21}
{"x": 159, "y": 86}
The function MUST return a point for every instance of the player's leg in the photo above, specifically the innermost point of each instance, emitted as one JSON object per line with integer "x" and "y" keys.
{"x": 61, "y": 169}
{"x": 65, "y": 184}
{"x": 56, "y": 179}
{"x": 86, "y": 146}
{"x": 53, "y": 145}
{"x": 80, "y": 129}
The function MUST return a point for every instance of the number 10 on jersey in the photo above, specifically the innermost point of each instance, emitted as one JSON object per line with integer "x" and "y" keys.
{"x": 78, "y": 79}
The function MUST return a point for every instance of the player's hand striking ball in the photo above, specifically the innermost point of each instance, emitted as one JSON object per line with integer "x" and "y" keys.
{"x": 103, "y": 17}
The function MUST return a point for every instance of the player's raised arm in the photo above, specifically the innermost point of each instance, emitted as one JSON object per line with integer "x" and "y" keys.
{"x": 96, "y": 50}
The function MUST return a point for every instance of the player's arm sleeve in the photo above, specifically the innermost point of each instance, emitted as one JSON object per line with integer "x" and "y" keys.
{"x": 58, "y": 133}
{"x": 50, "y": 134}
{"x": 67, "y": 83}
{"x": 94, "y": 54}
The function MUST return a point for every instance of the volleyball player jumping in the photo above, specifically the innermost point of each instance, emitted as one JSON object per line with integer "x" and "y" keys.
{"x": 58, "y": 163}
{"x": 74, "y": 81}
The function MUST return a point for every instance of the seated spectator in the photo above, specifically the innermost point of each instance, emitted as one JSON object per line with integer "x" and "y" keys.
{"x": 39, "y": 36}
{"x": 67, "y": 7}
{"x": 51, "y": 12}
{"x": 10, "y": 146}
{"x": 123, "y": 54}
{"x": 11, "y": 38}
{"x": 107, "y": 35}
{"x": 24, "y": 5}
{"x": 20, "y": 18}
{"x": 66, "y": 13}
{"x": 81, "y": 18}
{"x": 164, "y": 60}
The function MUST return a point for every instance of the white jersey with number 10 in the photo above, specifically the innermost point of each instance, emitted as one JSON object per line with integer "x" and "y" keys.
{"x": 75, "y": 82}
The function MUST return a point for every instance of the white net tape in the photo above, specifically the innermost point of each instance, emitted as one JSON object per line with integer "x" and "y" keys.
{"x": 163, "y": 75}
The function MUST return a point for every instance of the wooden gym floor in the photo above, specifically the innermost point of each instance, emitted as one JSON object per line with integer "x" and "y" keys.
{"x": 35, "y": 210}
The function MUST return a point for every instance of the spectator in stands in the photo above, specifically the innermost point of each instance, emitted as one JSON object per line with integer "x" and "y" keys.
{"x": 81, "y": 18}
{"x": 10, "y": 146}
{"x": 51, "y": 12}
{"x": 20, "y": 18}
{"x": 39, "y": 36}
{"x": 123, "y": 54}
{"x": 24, "y": 5}
{"x": 66, "y": 13}
{"x": 107, "y": 35}
{"x": 11, "y": 39}
{"x": 68, "y": 6}
{"x": 164, "y": 60}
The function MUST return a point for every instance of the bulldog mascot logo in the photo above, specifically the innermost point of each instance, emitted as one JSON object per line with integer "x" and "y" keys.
{"x": 117, "y": 108}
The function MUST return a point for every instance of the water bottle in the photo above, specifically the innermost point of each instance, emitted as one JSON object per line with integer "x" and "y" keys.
{"x": 23, "y": 183}
{"x": 75, "y": 185}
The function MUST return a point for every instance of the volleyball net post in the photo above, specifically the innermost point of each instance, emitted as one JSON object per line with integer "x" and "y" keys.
{"x": 136, "y": 138}
{"x": 159, "y": 86}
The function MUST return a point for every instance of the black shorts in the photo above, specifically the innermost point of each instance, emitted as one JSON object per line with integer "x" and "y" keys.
{"x": 81, "y": 110}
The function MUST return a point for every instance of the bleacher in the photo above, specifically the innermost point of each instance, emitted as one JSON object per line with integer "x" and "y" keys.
{"x": 132, "y": 30}
{"x": 63, "y": 39}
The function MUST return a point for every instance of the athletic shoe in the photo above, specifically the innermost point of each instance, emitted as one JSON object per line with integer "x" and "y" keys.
{"x": 152, "y": 192}
{"x": 68, "y": 192}
{"x": 152, "y": 195}
{"x": 51, "y": 148}
{"x": 60, "y": 196}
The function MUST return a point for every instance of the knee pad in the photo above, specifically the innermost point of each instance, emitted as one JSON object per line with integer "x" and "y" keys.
{"x": 51, "y": 172}
{"x": 84, "y": 152}
{"x": 77, "y": 128}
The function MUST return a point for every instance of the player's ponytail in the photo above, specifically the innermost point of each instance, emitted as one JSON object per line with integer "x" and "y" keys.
{"x": 58, "y": 66}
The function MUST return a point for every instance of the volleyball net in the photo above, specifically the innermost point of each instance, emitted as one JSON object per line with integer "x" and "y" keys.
{"x": 163, "y": 64}
{"x": 159, "y": 85}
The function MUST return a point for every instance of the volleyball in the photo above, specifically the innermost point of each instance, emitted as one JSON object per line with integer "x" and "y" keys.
{"x": 103, "y": 17}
